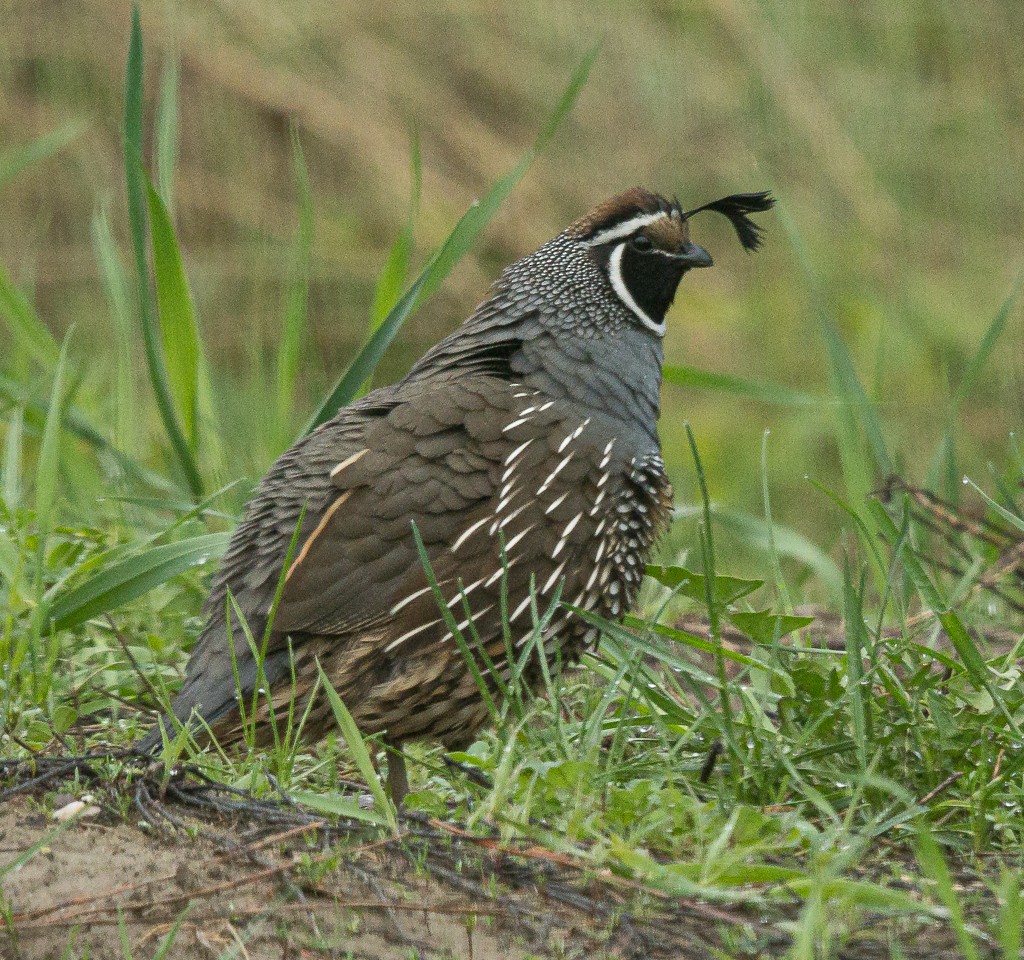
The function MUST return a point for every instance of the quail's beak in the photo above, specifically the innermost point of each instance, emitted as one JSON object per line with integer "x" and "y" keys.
{"x": 694, "y": 255}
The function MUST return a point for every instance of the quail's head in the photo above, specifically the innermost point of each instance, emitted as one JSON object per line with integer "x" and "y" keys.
{"x": 641, "y": 242}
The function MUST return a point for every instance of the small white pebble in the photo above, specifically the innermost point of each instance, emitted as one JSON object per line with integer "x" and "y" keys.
{"x": 77, "y": 808}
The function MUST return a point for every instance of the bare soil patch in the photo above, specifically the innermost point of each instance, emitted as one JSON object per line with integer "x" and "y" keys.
{"x": 227, "y": 875}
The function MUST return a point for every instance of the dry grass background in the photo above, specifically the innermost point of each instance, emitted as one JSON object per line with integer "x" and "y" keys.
{"x": 893, "y": 133}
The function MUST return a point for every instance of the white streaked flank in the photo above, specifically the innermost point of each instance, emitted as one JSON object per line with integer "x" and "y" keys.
{"x": 504, "y": 502}
{"x": 518, "y": 610}
{"x": 554, "y": 473}
{"x": 464, "y": 592}
{"x": 409, "y": 599}
{"x": 572, "y": 436}
{"x": 551, "y": 580}
{"x": 514, "y": 424}
{"x": 518, "y": 450}
{"x": 565, "y": 535}
{"x": 409, "y": 634}
{"x": 497, "y": 575}
{"x": 348, "y": 461}
{"x": 515, "y": 513}
{"x": 519, "y": 536}
{"x": 466, "y": 534}
{"x": 555, "y": 504}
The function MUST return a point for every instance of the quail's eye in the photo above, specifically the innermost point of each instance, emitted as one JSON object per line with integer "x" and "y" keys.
{"x": 641, "y": 242}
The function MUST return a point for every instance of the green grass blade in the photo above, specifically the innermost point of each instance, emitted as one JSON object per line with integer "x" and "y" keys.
{"x": 698, "y": 643}
{"x": 10, "y": 475}
{"x": 48, "y": 465}
{"x": 178, "y": 327}
{"x": 34, "y": 848}
{"x": 336, "y": 805}
{"x": 683, "y": 376}
{"x": 17, "y": 159}
{"x": 76, "y": 424}
{"x": 788, "y": 542}
{"x": 47, "y": 469}
{"x": 1011, "y": 916}
{"x": 167, "y": 132}
{"x": 296, "y": 314}
{"x": 715, "y": 608}
{"x": 855, "y": 411}
{"x": 934, "y": 867}
{"x": 480, "y": 214}
{"x": 130, "y": 578}
{"x": 1010, "y": 518}
{"x": 133, "y": 121}
{"x": 116, "y": 287}
{"x": 357, "y": 747}
{"x": 27, "y": 330}
{"x": 392, "y": 279}
{"x": 366, "y": 361}
{"x": 942, "y": 461}
{"x": 135, "y": 179}
{"x": 854, "y": 636}
{"x": 454, "y": 248}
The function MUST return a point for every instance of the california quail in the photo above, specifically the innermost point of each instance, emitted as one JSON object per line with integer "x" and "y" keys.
{"x": 530, "y": 430}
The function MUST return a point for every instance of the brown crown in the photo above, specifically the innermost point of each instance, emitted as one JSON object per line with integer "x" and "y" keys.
{"x": 623, "y": 207}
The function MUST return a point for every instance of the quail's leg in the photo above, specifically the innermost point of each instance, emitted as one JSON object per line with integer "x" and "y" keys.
{"x": 398, "y": 780}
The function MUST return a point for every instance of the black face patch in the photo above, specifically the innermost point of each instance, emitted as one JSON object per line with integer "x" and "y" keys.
{"x": 651, "y": 278}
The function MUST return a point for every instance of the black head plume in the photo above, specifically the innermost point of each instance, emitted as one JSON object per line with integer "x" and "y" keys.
{"x": 737, "y": 208}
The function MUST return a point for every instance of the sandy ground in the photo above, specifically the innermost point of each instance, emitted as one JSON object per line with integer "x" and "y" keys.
{"x": 229, "y": 876}
{"x": 264, "y": 901}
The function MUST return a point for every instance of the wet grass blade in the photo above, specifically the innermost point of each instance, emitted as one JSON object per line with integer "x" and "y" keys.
{"x": 178, "y": 328}
{"x": 128, "y": 579}
{"x": 27, "y": 330}
{"x": 135, "y": 179}
{"x": 17, "y": 159}
{"x": 454, "y": 248}
{"x": 360, "y": 754}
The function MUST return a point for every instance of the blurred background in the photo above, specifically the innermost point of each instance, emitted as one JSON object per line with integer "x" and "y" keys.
{"x": 893, "y": 135}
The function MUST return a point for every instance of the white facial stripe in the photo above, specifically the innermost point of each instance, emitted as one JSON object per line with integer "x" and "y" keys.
{"x": 619, "y": 285}
{"x": 625, "y": 228}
